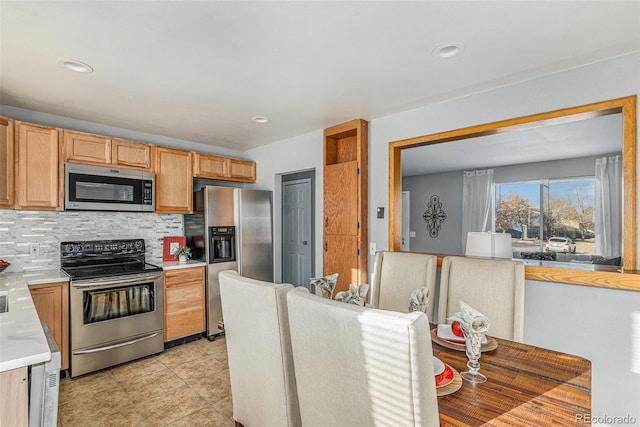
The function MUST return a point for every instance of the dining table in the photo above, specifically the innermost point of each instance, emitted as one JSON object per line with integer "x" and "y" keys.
{"x": 526, "y": 386}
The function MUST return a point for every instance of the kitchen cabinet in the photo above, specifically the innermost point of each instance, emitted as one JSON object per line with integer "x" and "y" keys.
{"x": 223, "y": 168}
{"x": 80, "y": 147}
{"x": 14, "y": 405}
{"x": 345, "y": 203}
{"x": 131, "y": 154}
{"x": 86, "y": 148}
{"x": 174, "y": 181}
{"x": 52, "y": 304}
{"x": 39, "y": 172}
{"x": 184, "y": 302}
{"x": 6, "y": 163}
{"x": 242, "y": 170}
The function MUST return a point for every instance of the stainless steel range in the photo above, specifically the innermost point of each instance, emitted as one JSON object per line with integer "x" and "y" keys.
{"x": 116, "y": 303}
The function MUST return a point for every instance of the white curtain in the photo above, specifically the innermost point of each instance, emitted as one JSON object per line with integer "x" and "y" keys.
{"x": 609, "y": 206}
{"x": 476, "y": 202}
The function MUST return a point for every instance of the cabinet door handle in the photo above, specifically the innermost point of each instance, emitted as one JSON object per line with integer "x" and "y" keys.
{"x": 326, "y": 247}
{"x": 326, "y": 221}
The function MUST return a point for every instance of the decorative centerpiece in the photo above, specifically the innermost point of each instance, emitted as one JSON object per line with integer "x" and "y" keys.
{"x": 326, "y": 284}
{"x": 355, "y": 294}
{"x": 182, "y": 253}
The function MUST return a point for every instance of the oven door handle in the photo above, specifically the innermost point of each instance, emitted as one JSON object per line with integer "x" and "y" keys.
{"x": 122, "y": 344}
{"x": 115, "y": 281}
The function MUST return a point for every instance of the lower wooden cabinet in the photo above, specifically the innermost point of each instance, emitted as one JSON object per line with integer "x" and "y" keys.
{"x": 52, "y": 304}
{"x": 184, "y": 303}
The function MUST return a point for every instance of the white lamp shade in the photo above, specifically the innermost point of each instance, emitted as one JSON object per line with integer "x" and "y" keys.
{"x": 489, "y": 245}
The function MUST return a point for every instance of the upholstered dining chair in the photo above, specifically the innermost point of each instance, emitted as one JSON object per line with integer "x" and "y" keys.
{"x": 263, "y": 384}
{"x": 495, "y": 287}
{"x": 358, "y": 366}
{"x": 397, "y": 274}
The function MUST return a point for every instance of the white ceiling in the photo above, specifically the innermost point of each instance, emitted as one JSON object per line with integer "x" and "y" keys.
{"x": 199, "y": 70}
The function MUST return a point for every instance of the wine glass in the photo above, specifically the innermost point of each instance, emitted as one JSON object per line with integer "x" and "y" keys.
{"x": 473, "y": 332}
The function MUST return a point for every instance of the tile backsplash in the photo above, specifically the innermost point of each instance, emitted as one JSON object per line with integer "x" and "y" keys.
{"x": 19, "y": 230}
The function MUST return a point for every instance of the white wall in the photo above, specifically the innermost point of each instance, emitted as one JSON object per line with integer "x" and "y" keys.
{"x": 289, "y": 156}
{"x": 615, "y": 78}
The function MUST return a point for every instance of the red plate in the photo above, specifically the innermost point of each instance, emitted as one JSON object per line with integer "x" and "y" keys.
{"x": 444, "y": 378}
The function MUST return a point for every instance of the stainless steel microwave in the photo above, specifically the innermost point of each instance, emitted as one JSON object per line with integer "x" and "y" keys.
{"x": 100, "y": 188}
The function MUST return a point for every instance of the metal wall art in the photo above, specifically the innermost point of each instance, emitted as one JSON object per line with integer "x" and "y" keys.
{"x": 434, "y": 216}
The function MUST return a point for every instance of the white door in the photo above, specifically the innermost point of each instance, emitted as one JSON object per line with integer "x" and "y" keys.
{"x": 296, "y": 232}
{"x": 406, "y": 223}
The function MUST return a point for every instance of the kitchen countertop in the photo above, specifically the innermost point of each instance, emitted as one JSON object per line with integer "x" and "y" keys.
{"x": 174, "y": 265}
{"x": 22, "y": 339}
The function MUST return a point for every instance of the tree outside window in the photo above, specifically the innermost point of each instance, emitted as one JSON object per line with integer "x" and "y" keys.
{"x": 567, "y": 211}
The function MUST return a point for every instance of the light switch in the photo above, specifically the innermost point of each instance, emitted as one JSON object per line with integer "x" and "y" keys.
{"x": 380, "y": 212}
{"x": 412, "y": 234}
{"x": 372, "y": 248}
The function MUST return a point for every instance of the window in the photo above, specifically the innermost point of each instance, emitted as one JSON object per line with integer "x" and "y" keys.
{"x": 554, "y": 216}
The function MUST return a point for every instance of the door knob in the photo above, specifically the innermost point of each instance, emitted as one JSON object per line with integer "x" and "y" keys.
{"x": 304, "y": 242}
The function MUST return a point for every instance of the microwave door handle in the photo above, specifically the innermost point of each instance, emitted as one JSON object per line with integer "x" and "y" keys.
{"x": 118, "y": 281}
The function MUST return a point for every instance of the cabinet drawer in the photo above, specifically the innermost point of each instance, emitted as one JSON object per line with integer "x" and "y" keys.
{"x": 184, "y": 275}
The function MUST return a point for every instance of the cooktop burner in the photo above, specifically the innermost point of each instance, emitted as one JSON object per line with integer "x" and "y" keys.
{"x": 103, "y": 258}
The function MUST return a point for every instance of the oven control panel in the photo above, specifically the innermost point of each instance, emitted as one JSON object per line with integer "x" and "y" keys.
{"x": 102, "y": 247}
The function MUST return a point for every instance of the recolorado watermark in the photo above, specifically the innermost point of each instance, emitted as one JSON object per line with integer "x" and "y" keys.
{"x": 606, "y": 419}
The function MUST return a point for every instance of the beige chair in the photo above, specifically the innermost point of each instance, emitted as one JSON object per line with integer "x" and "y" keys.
{"x": 495, "y": 287}
{"x": 263, "y": 384}
{"x": 397, "y": 274}
{"x": 358, "y": 366}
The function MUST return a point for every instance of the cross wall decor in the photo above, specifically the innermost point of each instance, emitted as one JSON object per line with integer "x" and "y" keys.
{"x": 434, "y": 216}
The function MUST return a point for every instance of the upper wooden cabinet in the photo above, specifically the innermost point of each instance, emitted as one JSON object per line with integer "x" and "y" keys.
{"x": 242, "y": 170}
{"x": 223, "y": 168}
{"x": 6, "y": 163}
{"x": 39, "y": 171}
{"x": 131, "y": 154}
{"x": 80, "y": 147}
{"x": 345, "y": 203}
{"x": 174, "y": 181}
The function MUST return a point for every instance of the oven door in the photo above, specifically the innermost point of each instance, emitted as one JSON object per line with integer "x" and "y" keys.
{"x": 108, "y": 310}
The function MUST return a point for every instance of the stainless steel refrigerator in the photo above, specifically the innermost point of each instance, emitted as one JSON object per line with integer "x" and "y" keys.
{"x": 230, "y": 229}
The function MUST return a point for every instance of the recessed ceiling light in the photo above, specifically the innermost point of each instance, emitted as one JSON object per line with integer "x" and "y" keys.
{"x": 448, "y": 50}
{"x": 260, "y": 119}
{"x": 76, "y": 66}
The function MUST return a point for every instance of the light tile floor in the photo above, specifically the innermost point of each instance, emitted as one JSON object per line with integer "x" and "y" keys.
{"x": 186, "y": 385}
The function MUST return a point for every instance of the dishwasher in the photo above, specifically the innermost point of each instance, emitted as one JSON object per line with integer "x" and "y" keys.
{"x": 44, "y": 383}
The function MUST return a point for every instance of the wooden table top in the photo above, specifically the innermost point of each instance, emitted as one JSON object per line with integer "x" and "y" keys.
{"x": 526, "y": 385}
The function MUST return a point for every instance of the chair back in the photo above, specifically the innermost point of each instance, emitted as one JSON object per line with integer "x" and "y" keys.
{"x": 263, "y": 384}
{"x": 361, "y": 366}
{"x": 495, "y": 287}
{"x": 397, "y": 274}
